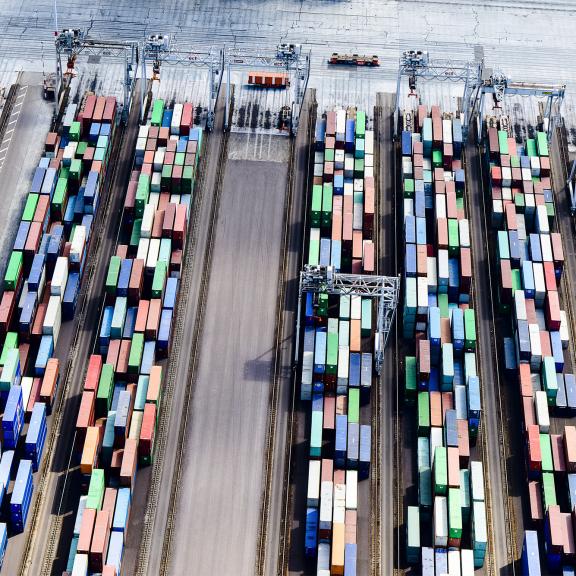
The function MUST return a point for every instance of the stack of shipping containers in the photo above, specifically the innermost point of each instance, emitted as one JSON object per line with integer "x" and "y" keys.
{"x": 122, "y": 393}
{"x": 41, "y": 286}
{"x": 446, "y": 527}
{"x": 337, "y": 360}
{"x": 529, "y": 262}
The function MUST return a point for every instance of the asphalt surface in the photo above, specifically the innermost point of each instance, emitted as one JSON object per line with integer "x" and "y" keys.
{"x": 495, "y": 452}
{"x": 48, "y": 545}
{"x": 224, "y": 444}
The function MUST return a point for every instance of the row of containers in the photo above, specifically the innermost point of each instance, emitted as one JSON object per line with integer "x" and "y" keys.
{"x": 122, "y": 391}
{"x": 529, "y": 261}
{"x": 446, "y": 530}
{"x": 337, "y": 361}
{"x": 40, "y": 291}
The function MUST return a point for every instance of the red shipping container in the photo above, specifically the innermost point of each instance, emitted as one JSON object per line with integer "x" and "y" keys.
{"x": 327, "y": 470}
{"x": 168, "y": 223}
{"x": 330, "y": 123}
{"x": 170, "y": 147}
{"x": 142, "y": 316}
{"x": 152, "y": 144}
{"x": 149, "y": 157}
{"x": 531, "y": 311}
{"x": 34, "y": 395}
{"x": 123, "y": 354}
{"x": 153, "y": 132}
{"x": 329, "y": 412}
{"x": 544, "y": 166}
{"x": 570, "y": 448}
{"x": 157, "y": 224}
{"x": 116, "y": 461}
{"x": 545, "y": 343}
{"x": 24, "y": 353}
{"x": 176, "y": 262}
{"x": 556, "y": 524}
{"x": 122, "y": 251}
{"x": 505, "y": 161}
{"x": 109, "y": 110}
{"x": 99, "y": 109}
{"x": 136, "y": 280}
{"x": 368, "y": 257}
{"x": 505, "y": 281}
{"x": 436, "y": 409}
{"x": 525, "y": 381}
{"x": 423, "y": 358}
{"x": 86, "y": 531}
{"x": 529, "y": 412}
{"x": 550, "y": 277}
{"x": 368, "y": 207}
{"x": 109, "y": 503}
{"x": 511, "y": 222}
{"x": 552, "y": 309}
{"x": 357, "y": 244}
{"x": 7, "y": 305}
{"x": 113, "y": 351}
{"x": 557, "y": 443}
{"x": 447, "y": 403}
{"x": 154, "y": 391}
{"x": 100, "y": 538}
{"x": 465, "y": 270}
{"x": 153, "y": 320}
{"x": 534, "y": 451}
{"x": 88, "y": 112}
{"x": 42, "y": 212}
{"x": 130, "y": 198}
{"x": 437, "y": 132}
{"x": 535, "y": 496}
{"x": 39, "y": 319}
{"x": 109, "y": 570}
{"x": 453, "y": 467}
{"x": 421, "y": 260}
{"x": 439, "y": 175}
{"x": 93, "y": 372}
{"x": 147, "y": 431}
{"x": 187, "y": 118}
{"x": 557, "y": 250}
{"x": 129, "y": 462}
{"x": 569, "y": 546}
{"x": 328, "y": 171}
{"x": 50, "y": 383}
{"x": 496, "y": 175}
{"x": 451, "y": 209}
{"x": 463, "y": 443}
{"x": 337, "y": 205}
{"x": 180, "y": 227}
{"x": 442, "y": 233}
{"x": 86, "y": 412}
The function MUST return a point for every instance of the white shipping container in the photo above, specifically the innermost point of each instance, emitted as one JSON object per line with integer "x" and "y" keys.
{"x": 153, "y": 252}
{"x": 431, "y": 275}
{"x": 535, "y": 342}
{"x": 340, "y": 125}
{"x": 77, "y": 245}
{"x": 447, "y": 131}
{"x": 147, "y": 221}
{"x": 542, "y": 225}
{"x": 369, "y": 142}
{"x": 142, "y": 252}
{"x": 140, "y": 147}
{"x": 464, "y": 232}
{"x": 506, "y": 176}
{"x": 539, "y": 284}
{"x": 542, "y": 414}
{"x": 440, "y": 201}
{"x": 454, "y": 562}
{"x": 460, "y": 402}
{"x": 546, "y": 247}
{"x": 477, "y": 480}
{"x": 307, "y": 371}
{"x": 351, "y": 489}
{"x": 443, "y": 270}
{"x": 159, "y": 159}
{"x": 407, "y": 169}
{"x": 53, "y": 318}
{"x": 26, "y": 384}
{"x": 154, "y": 199}
{"x": 59, "y": 277}
{"x": 23, "y": 295}
{"x": 535, "y": 166}
{"x": 348, "y": 168}
{"x": 339, "y": 160}
{"x": 480, "y": 528}
{"x": 339, "y": 512}
{"x": 506, "y": 193}
{"x": 521, "y": 224}
{"x": 422, "y": 284}
{"x": 176, "y": 119}
{"x": 313, "y": 497}
{"x": 344, "y": 310}
{"x": 564, "y": 329}
{"x": 156, "y": 182}
{"x": 467, "y": 562}
{"x": 323, "y": 558}
{"x": 143, "y": 131}
{"x": 339, "y": 494}
{"x": 526, "y": 174}
{"x": 323, "y": 572}
{"x": 368, "y": 161}
{"x": 436, "y": 441}
{"x": 80, "y": 567}
{"x": 349, "y": 187}
{"x": 79, "y": 513}
{"x": 368, "y": 171}
{"x": 318, "y": 169}
{"x": 344, "y": 333}
{"x": 408, "y": 207}
{"x": 318, "y": 157}
{"x": 440, "y": 521}
{"x": 326, "y": 494}
{"x": 135, "y": 425}
{"x": 356, "y": 307}
{"x": 520, "y": 305}
{"x": 358, "y": 184}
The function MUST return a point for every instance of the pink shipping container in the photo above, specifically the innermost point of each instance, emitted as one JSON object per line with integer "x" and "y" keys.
{"x": 535, "y": 496}
{"x": 552, "y": 309}
{"x": 570, "y": 448}
{"x": 534, "y": 450}
{"x": 337, "y": 207}
{"x": 557, "y": 443}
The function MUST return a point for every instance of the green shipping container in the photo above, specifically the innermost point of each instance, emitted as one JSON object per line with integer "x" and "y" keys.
{"x": 141, "y": 390}
{"x": 81, "y": 149}
{"x": 453, "y": 238}
{"x": 443, "y": 305}
{"x": 332, "y": 347}
{"x": 74, "y": 131}
{"x": 166, "y": 177}
{"x": 408, "y": 188}
{"x": 440, "y": 471}
{"x": 105, "y": 390}
{"x": 546, "y": 449}
{"x": 322, "y": 309}
{"x": 531, "y": 147}
{"x": 113, "y": 274}
{"x": 329, "y": 155}
{"x": 142, "y": 194}
{"x": 179, "y": 159}
{"x": 503, "y": 246}
{"x": 454, "y": 513}
{"x": 542, "y": 143}
{"x": 549, "y": 380}
{"x": 118, "y": 317}
{"x": 514, "y": 161}
{"x": 425, "y": 488}
{"x": 13, "y": 271}
{"x": 136, "y": 351}
{"x": 316, "y": 205}
{"x": 60, "y": 193}
{"x": 470, "y": 330}
{"x": 316, "y": 435}
{"x": 413, "y": 535}
{"x": 157, "y": 112}
{"x": 411, "y": 384}
{"x": 366, "y": 323}
{"x": 437, "y": 158}
{"x": 358, "y": 167}
{"x": 30, "y": 207}
{"x": 314, "y": 249}
{"x": 516, "y": 280}
{"x": 344, "y": 308}
{"x": 187, "y": 179}
{"x": 423, "y": 414}
{"x": 327, "y": 193}
{"x": 465, "y": 497}
{"x": 353, "y": 405}
{"x": 96, "y": 490}
{"x": 159, "y": 280}
{"x": 136, "y": 233}
{"x": 10, "y": 342}
{"x": 76, "y": 169}
{"x": 503, "y": 141}
{"x": 165, "y": 252}
{"x": 548, "y": 490}
{"x": 360, "y": 124}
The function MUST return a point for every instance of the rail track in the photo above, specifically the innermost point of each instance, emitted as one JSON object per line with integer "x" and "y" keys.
{"x": 191, "y": 379}
{"x": 92, "y": 265}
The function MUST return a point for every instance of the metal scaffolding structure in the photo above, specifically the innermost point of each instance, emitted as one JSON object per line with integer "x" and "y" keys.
{"x": 416, "y": 64}
{"x": 287, "y": 57}
{"x": 323, "y": 280}
{"x": 73, "y": 42}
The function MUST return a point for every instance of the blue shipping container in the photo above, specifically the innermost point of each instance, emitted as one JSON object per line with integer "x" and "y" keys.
{"x": 21, "y": 496}
{"x": 45, "y": 352}
{"x": 36, "y": 435}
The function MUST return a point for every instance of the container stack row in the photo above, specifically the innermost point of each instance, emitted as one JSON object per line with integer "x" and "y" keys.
{"x": 337, "y": 358}
{"x": 121, "y": 398}
{"x": 529, "y": 261}
{"x": 446, "y": 528}
{"x": 40, "y": 290}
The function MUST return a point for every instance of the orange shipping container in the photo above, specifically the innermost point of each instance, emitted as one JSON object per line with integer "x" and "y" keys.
{"x": 338, "y": 537}
{"x": 157, "y": 224}
{"x": 91, "y": 450}
{"x": 113, "y": 351}
{"x": 86, "y": 411}
{"x": 147, "y": 431}
{"x": 129, "y": 462}
{"x": 337, "y": 217}
{"x": 123, "y": 354}
{"x": 435, "y": 409}
{"x": 357, "y": 244}
{"x": 355, "y": 338}
{"x": 142, "y": 316}
{"x": 50, "y": 383}
{"x": 154, "y": 390}
{"x": 525, "y": 381}
{"x": 453, "y": 467}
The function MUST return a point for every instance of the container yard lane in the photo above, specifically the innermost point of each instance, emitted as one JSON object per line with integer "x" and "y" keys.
{"x": 496, "y": 443}
{"x": 224, "y": 443}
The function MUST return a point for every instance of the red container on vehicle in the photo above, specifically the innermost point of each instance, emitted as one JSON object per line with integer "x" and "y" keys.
{"x": 93, "y": 373}
{"x": 50, "y": 383}
{"x": 153, "y": 320}
{"x": 129, "y": 463}
{"x": 534, "y": 450}
{"x": 34, "y": 395}
{"x": 130, "y": 198}
{"x": 100, "y": 538}
{"x": 86, "y": 531}
{"x": 535, "y": 500}
{"x": 86, "y": 412}
{"x": 113, "y": 351}
{"x": 147, "y": 431}
{"x": 570, "y": 448}
{"x": 552, "y": 310}
{"x": 463, "y": 443}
